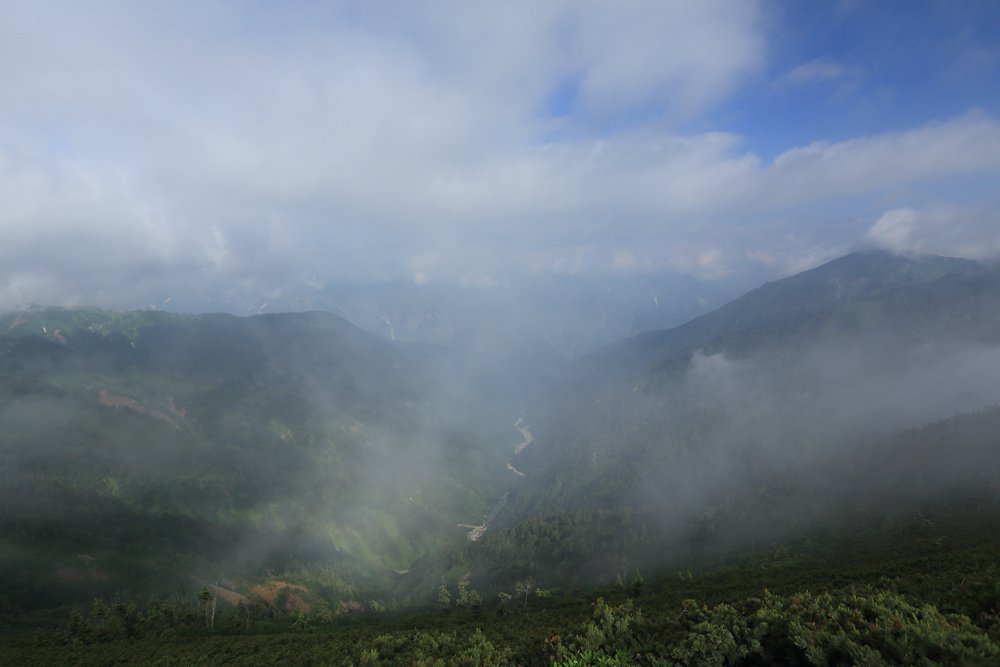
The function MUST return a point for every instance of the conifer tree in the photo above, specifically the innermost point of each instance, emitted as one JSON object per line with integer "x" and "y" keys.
{"x": 475, "y": 601}
{"x": 504, "y": 598}
{"x": 444, "y": 596}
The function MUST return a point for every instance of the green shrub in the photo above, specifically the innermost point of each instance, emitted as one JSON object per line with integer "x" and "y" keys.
{"x": 863, "y": 628}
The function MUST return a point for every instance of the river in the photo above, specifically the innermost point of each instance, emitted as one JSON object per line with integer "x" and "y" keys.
{"x": 475, "y": 532}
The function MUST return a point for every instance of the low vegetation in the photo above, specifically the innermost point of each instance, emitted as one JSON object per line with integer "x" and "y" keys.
{"x": 920, "y": 593}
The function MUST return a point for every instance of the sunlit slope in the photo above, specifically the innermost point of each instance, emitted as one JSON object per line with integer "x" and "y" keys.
{"x": 747, "y": 412}
{"x": 141, "y": 448}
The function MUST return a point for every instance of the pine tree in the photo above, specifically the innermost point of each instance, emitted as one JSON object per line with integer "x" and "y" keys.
{"x": 100, "y": 612}
{"x": 637, "y": 584}
{"x": 77, "y": 625}
{"x": 444, "y": 596}
{"x": 475, "y": 601}
{"x": 502, "y": 605}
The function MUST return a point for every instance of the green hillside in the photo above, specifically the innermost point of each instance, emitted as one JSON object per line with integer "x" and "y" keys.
{"x": 140, "y": 450}
{"x": 827, "y": 437}
{"x": 858, "y": 291}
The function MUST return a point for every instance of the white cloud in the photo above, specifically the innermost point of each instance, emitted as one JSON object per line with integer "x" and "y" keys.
{"x": 894, "y": 230}
{"x": 159, "y": 147}
{"x": 967, "y": 144}
{"x": 685, "y": 54}
{"x": 962, "y": 231}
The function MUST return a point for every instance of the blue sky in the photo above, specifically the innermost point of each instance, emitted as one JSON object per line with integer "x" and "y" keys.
{"x": 842, "y": 70}
{"x": 150, "y": 150}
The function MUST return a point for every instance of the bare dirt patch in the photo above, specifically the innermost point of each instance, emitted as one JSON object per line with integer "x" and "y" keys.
{"x": 269, "y": 592}
{"x": 118, "y": 402}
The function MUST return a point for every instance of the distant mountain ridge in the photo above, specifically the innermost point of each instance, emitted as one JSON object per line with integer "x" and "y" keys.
{"x": 832, "y": 294}
{"x": 532, "y": 314}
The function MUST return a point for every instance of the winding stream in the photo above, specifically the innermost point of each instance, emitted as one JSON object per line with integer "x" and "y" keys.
{"x": 475, "y": 532}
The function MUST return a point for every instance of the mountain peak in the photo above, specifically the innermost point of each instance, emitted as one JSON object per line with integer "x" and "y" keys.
{"x": 809, "y": 296}
{"x": 883, "y": 267}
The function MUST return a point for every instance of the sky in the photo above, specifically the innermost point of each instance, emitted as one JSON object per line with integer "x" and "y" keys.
{"x": 156, "y": 149}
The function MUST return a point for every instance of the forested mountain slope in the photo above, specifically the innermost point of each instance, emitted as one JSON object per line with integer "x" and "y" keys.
{"x": 768, "y": 417}
{"x": 145, "y": 450}
{"x": 140, "y": 449}
{"x": 859, "y": 291}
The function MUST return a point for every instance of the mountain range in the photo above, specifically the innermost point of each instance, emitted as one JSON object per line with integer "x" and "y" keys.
{"x": 563, "y": 315}
{"x": 146, "y": 450}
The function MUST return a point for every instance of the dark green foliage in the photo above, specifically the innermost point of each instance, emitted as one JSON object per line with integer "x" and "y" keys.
{"x": 903, "y": 597}
{"x": 611, "y": 637}
{"x": 637, "y": 583}
{"x": 503, "y": 603}
{"x": 475, "y": 602}
{"x": 444, "y": 597}
{"x": 866, "y": 627}
{"x": 433, "y": 648}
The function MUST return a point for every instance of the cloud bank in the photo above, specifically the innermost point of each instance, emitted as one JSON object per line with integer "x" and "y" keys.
{"x": 147, "y": 151}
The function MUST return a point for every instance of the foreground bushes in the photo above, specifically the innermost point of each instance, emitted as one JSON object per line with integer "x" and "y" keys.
{"x": 851, "y": 628}
{"x": 439, "y": 648}
{"x": 866, "y": 626}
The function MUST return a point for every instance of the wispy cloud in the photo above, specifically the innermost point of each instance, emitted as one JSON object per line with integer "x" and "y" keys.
{"x": 821, "y": 69}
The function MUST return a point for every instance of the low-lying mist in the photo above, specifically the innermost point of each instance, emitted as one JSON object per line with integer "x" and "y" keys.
{"x": 737, "y": 451}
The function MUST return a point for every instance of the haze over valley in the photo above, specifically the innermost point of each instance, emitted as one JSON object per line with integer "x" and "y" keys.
{"x": 577, "y": 334}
